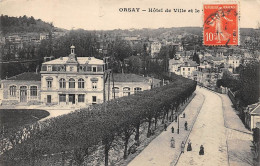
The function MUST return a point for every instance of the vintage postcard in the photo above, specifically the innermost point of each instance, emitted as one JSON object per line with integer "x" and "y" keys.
{"x": 129, "y": 83}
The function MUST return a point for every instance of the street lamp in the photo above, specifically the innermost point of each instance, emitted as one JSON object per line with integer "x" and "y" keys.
{"x": 178, "y": 130}
{"x": 172, "y": 113}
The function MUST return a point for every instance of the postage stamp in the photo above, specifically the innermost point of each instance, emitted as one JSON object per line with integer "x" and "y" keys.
{"x": 220, "y": 25}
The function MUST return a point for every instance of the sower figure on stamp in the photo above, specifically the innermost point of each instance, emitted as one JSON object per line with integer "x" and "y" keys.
{"x": 218, "y": 21}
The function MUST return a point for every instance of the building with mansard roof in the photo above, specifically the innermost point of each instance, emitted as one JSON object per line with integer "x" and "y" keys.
{"x": 72, "y": 80}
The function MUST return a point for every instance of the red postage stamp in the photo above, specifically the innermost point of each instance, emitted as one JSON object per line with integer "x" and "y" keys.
{"x": 220, "y": 24}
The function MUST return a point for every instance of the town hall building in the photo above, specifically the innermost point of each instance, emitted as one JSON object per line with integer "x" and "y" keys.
{"x": 72, "y": 80}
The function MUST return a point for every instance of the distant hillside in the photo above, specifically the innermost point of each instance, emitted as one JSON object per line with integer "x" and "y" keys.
{"x": 23, "y": 24}
{"x": 146, "y": 32}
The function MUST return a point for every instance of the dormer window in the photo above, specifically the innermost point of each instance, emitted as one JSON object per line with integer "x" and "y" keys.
{"x": 71, "y": 68}
{"x": 81, "y": 68}
{"x": 61, "y": 68}
{"x": 48, "y": 68}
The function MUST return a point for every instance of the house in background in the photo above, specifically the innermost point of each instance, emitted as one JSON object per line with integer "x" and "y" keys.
{"x": 252, "y": 115}
{"x": 208, "y": 76}
{"x": 155, "y": 48}
{"x": 175, "y": 65}
{"x": 188, "y": 68}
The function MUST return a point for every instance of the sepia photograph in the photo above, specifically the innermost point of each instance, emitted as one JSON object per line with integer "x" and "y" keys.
{"x": 129, "y": 83}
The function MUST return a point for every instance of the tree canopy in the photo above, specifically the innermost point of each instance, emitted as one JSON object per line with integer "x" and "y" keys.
{"x": 23, "y": 24}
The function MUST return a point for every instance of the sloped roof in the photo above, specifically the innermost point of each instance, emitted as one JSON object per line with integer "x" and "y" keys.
{"x": 212, "y": 58}
{"x": 174, "y": 61}
{"x": 119, "y": 77}
{"x": 217, "y": 58}
{"x": 256, "y": 110}
{"x": 28, "y": 76}
{"x": 189, "y": 64}
{"x": 80, "y": 60}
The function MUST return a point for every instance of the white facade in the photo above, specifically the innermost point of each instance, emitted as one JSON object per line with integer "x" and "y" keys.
{"x": 71, "y": 80}
{"x": 174, "y": 66}
{"x": 188, "y": 68}
{"x": 155, "y": 48}
{"x": 233, "y": 61}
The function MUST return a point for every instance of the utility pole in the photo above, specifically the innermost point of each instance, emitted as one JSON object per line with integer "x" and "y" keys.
{"x": 178, "y": 130}
{"x": 114, "y": 93}
{"x": 108, "y": 89}
{"x": 104, "y": 90}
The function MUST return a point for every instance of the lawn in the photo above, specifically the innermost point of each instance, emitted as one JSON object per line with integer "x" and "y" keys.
{"x": 12, "y": 118}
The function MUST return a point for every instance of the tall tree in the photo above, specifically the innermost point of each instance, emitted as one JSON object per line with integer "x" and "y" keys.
{"x": 249, "y": 78}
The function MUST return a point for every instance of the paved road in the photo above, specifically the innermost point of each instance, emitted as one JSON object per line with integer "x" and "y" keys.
{"x": 210, "y": 132}
{"x": 159, "y": 152}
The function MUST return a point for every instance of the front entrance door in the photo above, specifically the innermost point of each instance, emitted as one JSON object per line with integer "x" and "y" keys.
{"x": 48, "y": 99}
{"x": 23, "y": 94}
{"x": 72, "y": 98}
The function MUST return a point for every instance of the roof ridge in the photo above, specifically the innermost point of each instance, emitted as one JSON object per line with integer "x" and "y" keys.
{"x": 255, "y": 108}
{"x": 17, "y": 75}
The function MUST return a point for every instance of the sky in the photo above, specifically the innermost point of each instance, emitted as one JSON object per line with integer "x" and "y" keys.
{"x": 106, "y": 15}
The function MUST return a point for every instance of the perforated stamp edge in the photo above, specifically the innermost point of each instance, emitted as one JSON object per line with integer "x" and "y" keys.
{"x": 212, "y": 2}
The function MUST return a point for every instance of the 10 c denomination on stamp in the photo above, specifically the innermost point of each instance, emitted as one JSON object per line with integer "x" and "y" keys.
{"x": 220, "y": 25}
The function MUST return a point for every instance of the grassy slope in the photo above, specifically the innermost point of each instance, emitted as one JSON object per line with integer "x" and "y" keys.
{"x": 12, "y": 118}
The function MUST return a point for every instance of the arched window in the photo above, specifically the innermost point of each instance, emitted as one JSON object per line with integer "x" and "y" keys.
{"x": 12, "y": 91}
{"x": 137, "y": 89}
{"x": 81, "y": 83}
{"x": 33, "y": 91}
{"x": 71, "y": 83}
{"x": 126, "y": 91}
{"x": 62, "y": 83}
